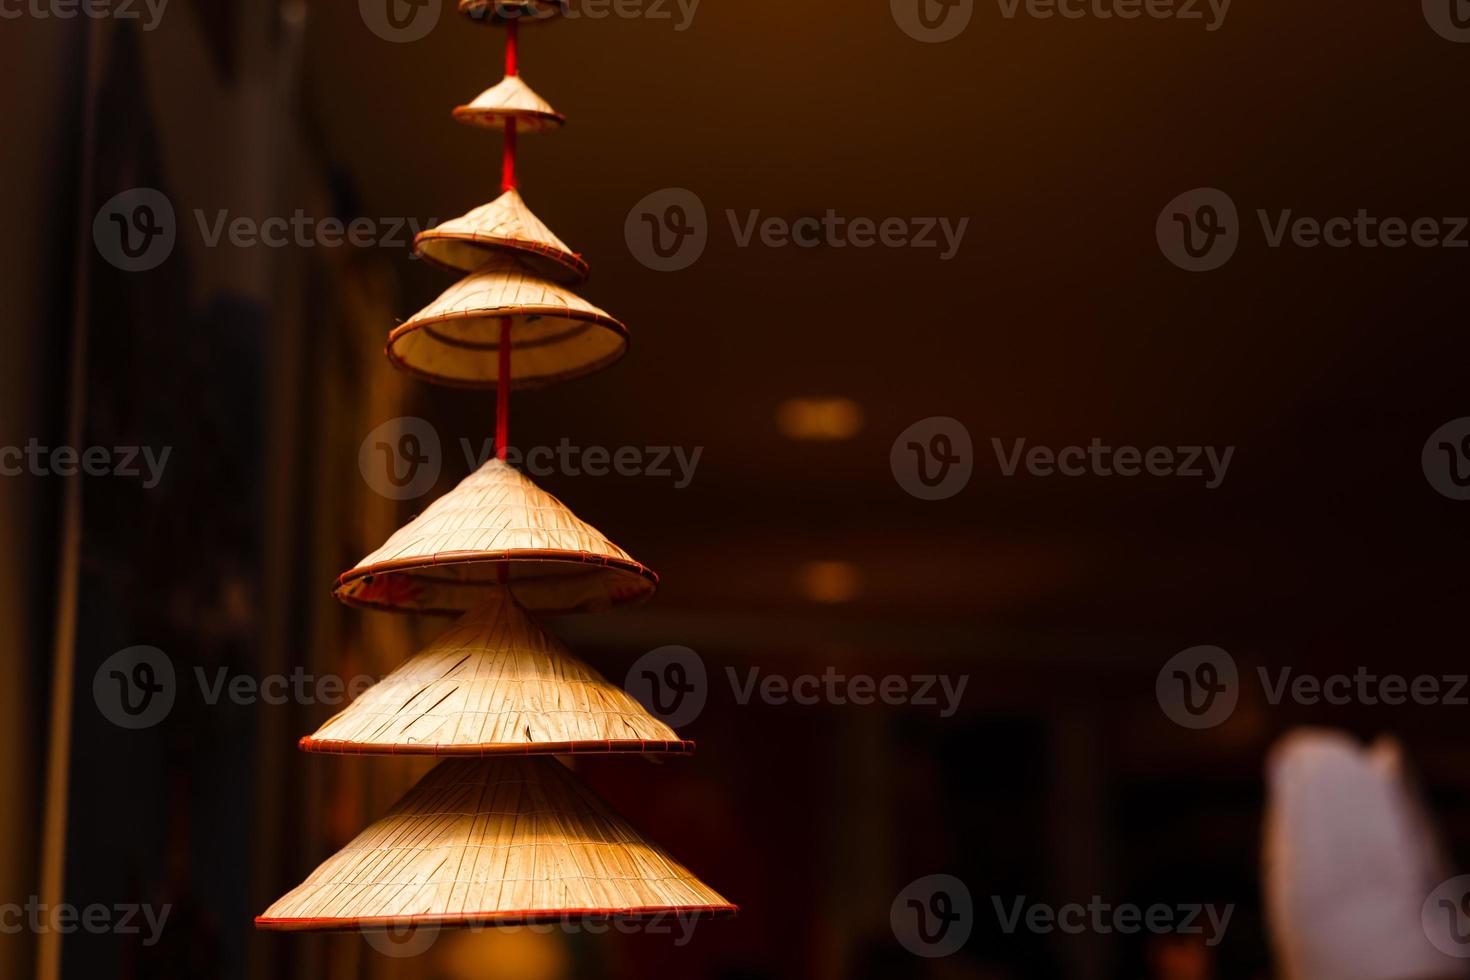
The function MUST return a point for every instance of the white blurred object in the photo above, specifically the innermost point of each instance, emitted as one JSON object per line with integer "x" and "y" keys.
{"x": 1350, "y": 859}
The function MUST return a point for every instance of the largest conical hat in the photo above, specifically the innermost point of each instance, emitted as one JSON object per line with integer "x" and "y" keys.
{"x": 495, "y": 683}
{"x": 494, "y": 841}
{"x": 554, "y": 333}
{"x": 496, "y": 524}
{"x": 510, "y": 98}
{"x": 467, "y": 242}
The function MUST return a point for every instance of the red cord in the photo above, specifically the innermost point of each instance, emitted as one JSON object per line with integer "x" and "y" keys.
{"x": 508, "y": 166}
{"x": 502, "y": 383}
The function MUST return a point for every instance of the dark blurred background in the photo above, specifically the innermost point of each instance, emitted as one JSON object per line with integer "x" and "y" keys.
{"x": 1059, "y": 320}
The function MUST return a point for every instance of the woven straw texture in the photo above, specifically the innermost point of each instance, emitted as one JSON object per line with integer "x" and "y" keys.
{"x": 510, "y": 98}
{"x": 494, "y": 841}
{"x": 555, "y": 334}
{"x": 467, "y": 242}
{"x": 496, "y": 521}
{"x": 500, "y": 11}
{"x": 495, "y": 683}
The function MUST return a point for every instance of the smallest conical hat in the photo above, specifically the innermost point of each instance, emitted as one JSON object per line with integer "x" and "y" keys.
{"x": 467, "y": 242}
{"x": 500, "y": 11}
{"x": 495, "y": 842}
{"x": 495, "y": 683}
{"x": 510, "y": 98}
{"x": 496, "y": 523}
{"x": 554, "y": 333}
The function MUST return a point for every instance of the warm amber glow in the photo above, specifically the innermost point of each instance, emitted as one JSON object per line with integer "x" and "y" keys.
{"x": 819, "y": 419}
{"x": 829, "y": 581}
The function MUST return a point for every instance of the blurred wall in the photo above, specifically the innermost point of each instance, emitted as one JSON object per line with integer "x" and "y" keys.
{"x": 34, "y": 270}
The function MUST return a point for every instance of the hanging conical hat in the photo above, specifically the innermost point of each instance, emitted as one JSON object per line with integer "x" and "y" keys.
{"x": 555, "y": 334}
{"x": 510, "y": 98}
{"x": 496, "y": 522}
{"x": 495, "y": 683}
{"x": 494, "y": 841}
{"x": 1350, "y": 860}
{"x": 468, "y": 241}
{"x": 500, "y": 11}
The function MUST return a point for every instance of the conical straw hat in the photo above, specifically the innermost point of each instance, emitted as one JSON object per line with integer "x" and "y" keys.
{"x": 510, "y": 98}
{"x": 555, "y": 334}
{"x": 1351, "y": 858}
{"x": 499, "y": 842}
{"x": 496, "y": 521}
{"x": 500, "y": 11}
{"x": 468, "y": 241}
{"x": 495, "y": 683}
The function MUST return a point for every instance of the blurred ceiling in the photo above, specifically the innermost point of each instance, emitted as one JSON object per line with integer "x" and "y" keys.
{"x": 1057, "y": 322}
